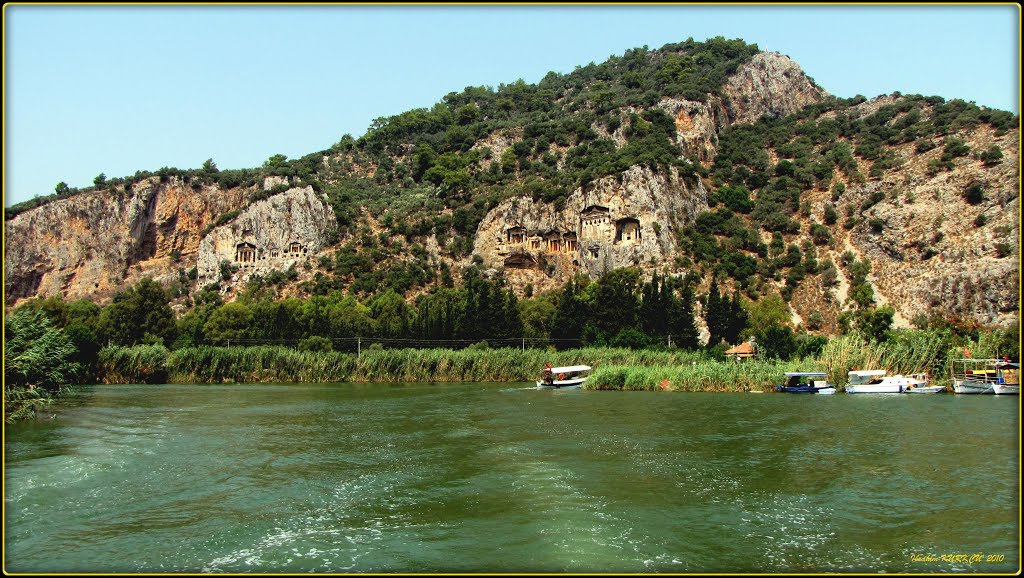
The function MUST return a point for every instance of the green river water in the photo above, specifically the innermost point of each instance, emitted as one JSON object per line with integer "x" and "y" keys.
{"x": 482, "y": 478}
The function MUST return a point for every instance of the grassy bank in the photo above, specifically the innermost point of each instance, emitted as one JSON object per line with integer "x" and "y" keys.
{"x": 614, "y": 368}
{"x": 265, "y": 364}
{"x": 707, "y": 375}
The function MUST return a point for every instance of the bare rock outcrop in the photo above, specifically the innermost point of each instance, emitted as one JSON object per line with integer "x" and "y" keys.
{"x": 934, "y": 250}
{"x": 270, "y": 235}
{"x": 93, "y": 244}
{"x": 770, "y": 84}
{"x": 617, "y": 221}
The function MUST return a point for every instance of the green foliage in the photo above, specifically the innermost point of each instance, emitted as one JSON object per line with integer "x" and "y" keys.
{"x": 315, "y": 343}
{"x": 137, "y": 364}
{"x": 992, "y": 155}
{"x": 874, "y": 323}
{"x": 137, "y": 312}
{"x": 974, "y": 193}
{"x": 39, "y": 361}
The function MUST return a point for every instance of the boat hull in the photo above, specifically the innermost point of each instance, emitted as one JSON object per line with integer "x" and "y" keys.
{"x": 806, "y": 389}
{"x": 925, "y": 389}
{"x": 886, "y": 388}
{"x": 965, "y": 386}
{"x": 562, "y": 384}
{"x": 1006, "y": 389}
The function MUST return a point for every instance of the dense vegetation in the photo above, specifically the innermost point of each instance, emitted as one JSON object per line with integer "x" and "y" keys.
{"x": 434, "y": 173}
{"x": 39, "y": 363}
{"x": 643, "y": 328}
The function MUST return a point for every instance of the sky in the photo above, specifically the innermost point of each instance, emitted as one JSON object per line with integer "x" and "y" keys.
{"x": 114, "y": 89}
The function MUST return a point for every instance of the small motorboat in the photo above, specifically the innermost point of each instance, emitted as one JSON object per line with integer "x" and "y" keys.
{"x": 799, "y": 382}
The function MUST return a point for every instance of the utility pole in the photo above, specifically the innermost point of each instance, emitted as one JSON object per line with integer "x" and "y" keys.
{"x": 359, "y": 347}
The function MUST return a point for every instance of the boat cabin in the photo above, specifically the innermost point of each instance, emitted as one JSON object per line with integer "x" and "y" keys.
{"x": 865, "y": 376}
{"x": 798, "y": 378}
{"x": 996, "y": 371}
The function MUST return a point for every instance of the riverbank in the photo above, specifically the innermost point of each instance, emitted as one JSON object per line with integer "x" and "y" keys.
{"x": 614, "y": 368}
{"x": 270, "y": 364}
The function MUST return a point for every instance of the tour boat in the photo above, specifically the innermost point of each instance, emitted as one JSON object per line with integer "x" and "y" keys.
{"x": 563, "y": 377}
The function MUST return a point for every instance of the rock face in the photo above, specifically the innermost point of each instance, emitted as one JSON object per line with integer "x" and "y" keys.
{"x": 92, "y": 245}
{"x": 623, "y": 221}
{"x": 933, "y": 250}
{"x": 270, "y": 235}
{"x": 770, "y": 84}
{"x": 631, "y": 220}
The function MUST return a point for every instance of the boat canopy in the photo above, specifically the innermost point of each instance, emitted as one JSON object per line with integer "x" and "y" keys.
{"x": 570, "y": 368}
{"x": 805, "y": 374}
{"x": 868, "y": 372}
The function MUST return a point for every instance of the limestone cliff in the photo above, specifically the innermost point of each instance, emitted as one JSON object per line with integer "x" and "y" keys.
{"x": 620, "y": 221}
{"x": 770, "y": 84}
{"x": 270, "y": 235}
{"x": 94, "y": 244}
{"x": 631, "y": 219}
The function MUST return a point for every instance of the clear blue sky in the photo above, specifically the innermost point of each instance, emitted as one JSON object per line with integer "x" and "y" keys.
{"x": 115, "y": 89}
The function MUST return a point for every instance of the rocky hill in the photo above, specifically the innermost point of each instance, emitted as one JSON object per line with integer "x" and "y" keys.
{"x": 712, "y": 158}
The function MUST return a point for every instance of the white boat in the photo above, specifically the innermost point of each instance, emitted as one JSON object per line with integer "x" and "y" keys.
{"x": 1007, "y": 379}
{"x": 1006, "y": 388}
{"x": 985, "y": 375}
{"x": 876, "y": 381}
{"x": 926, "y": 389}
{"x": 563, "y": 377}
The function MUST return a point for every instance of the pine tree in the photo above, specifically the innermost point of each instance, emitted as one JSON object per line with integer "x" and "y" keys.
{"x": 717, "y": 315}
{"x": 683, "y": 328}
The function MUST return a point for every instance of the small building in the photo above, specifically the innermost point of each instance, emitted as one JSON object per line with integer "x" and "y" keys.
{"x": 570, "y": 243}
{"x": 742, "y": 351}
{"x": 245, "y": 253}
{"x": 515, "y": 235}
{"x": 554, "y": 239}
{"x": 627, "y": 231}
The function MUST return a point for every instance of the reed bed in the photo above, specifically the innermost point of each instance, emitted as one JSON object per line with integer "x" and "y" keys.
{"x": 265, "y": 364}
{"x": 909, "y": 352}
{"x": 138, "y": 364}
{"x": 615, "y": 368}
{"x": 706, "y": 375}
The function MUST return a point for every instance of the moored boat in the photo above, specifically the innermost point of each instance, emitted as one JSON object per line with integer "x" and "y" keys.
{"x": 974, "y": 376}
{"x": 876, "y": 381}
{"x": 925, "y": 389}
{"x": 797, "y": 382}
{"x": 1007, "y": 379}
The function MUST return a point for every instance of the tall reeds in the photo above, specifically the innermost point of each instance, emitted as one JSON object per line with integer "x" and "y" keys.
{"x": 907, "y": 352}
{"x": 206, "y": 364}
{"x": 138, "y": 364}
{"x": 706, "y": 375}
